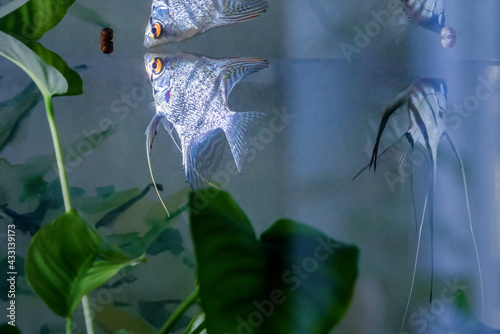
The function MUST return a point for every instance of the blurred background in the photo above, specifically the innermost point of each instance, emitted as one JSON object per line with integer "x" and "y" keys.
{"x": 327, "y": 93}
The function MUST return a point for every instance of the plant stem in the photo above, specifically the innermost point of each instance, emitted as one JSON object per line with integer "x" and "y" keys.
{"x": 183, "y": 307}
{"x": 89, "y": 324}
{"x": 69, "y": 325}
{"x": 58, "y": 150}
{"x": 49, "y": 108}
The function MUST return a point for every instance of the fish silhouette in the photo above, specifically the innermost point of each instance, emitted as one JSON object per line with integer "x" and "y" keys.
{"x": 425, "y": 100}
{"x": 191, "y": 97}
{"x": 177, "y": 20}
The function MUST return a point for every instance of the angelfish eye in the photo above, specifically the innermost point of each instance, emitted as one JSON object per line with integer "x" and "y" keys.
{"x": 156, "y": 30}
{"x": 156, "y": 66}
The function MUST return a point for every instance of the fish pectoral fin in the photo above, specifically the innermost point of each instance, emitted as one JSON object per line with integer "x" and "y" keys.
{"x": 395, "y": 104}
{"x": 236, "y": 129}
{"x": 396, "y": 157}
{"x": 170, "y": 129}
{"x": 238, "y": 68}
{"x": 234, "y": 11}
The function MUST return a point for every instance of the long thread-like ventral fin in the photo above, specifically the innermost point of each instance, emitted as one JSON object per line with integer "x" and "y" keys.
{"x": 150, "y": 136}
{"x": 460, "y": 161}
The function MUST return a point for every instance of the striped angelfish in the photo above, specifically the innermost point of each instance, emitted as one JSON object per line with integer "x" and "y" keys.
{"x": 425, "y": 100}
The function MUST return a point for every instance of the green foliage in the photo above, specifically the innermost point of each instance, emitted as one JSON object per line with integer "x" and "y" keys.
{"x": 294, "y": 280}
{"x": 47, "y": 78}
{"x": 20, "y": 28}
{"x": 197, "y": 325}
{"x": 67, "y": 259}
{"x": 8, "y": 329}
{"x": 33, "y": 19}
{"x": 155, "y": 313}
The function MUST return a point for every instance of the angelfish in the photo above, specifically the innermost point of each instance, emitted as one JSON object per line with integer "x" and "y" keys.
{"x": 177, "y": 20}
{"x": 430, "y": 15}
{"x": 191, "y": 97}
{"x": 425, "y": 100}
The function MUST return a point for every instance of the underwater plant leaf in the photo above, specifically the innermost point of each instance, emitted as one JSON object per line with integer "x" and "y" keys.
{"x": 116, "y": 320}
{"x": 49, "y": 80}
{"x": 197, "y": 325}
{"x": 294, "y": 280}
{"x": 112, "y": 215}
{"x": 11, "y": 6}
{"x": 9, "y": 329}
{"x": 463, "y": 319}
{"x": 73, "y": 79}
{"x": 33, "y": 19}
{"x": 15, "y": 111}
{"x": 67, "y": 259}
{"x": 169, "y": 240}
{"x": 156, "y": 314}
{"x": 99, "y": 203}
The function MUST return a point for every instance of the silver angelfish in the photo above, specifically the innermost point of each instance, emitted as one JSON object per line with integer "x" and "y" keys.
{"x": 177, "y": 20}
{"x": 191, "y": 97}
{"x": 425, "y": 100}
{"x": 430, "y": 15}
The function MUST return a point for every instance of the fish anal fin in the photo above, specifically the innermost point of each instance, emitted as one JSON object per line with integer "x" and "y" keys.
{"x": 203, "y": 157}
{"x": 234, "y": 11}
{"x": 236, "y": 129}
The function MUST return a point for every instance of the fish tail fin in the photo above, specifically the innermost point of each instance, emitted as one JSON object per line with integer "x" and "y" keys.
{"x": 236, "y": 129}
{"x": 150, "y": 136}
{"x": 415, "y": 264}
{"x": 460, "y": 161}
{"x": 234, "y": 11}
{"x": 396, "y": 157}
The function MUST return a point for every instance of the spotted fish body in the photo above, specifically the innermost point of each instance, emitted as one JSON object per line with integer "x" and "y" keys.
{"x": 177, "y": 20}
{"x": 425, "y": 100}
{"x": 190, "y": 94}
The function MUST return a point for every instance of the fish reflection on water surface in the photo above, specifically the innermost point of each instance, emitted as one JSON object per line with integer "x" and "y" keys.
{"x": 177, "y": 20}
{"x": 191, "y": 96}
{"x": 425, "y": 102}
{"x": 430, "y": 15}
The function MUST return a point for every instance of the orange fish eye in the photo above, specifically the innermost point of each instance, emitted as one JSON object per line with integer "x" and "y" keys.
{"x": 156, "y": 66}
{"x": 156, "y": 30}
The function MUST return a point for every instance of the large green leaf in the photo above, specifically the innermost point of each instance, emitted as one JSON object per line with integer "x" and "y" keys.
{"x": 35, "y": 18}
{"x": 67, "y": 259}
{"x": 294, "y": 280}
{"x": 49, "y": 80}
{"x": 75, "y": 83}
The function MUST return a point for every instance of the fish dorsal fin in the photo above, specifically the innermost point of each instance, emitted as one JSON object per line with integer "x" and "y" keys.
{"x": 203, "y": 157}
{"x": 234, "y": 11}
{"x": 233, "y": 70}
{"x": 150, "y": 136}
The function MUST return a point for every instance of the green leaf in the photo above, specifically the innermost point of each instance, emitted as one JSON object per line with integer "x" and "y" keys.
{"x": 295, "y": 280}
{"x": 35, "y": 18}
{"x": 67, "y": 259}
{"x": 11, "y": 6}
{"x": 9, "y": 329}
{"x": 49, "y": 80}
{"x": 75, "y": 83}
{"x": 197, "y": 325}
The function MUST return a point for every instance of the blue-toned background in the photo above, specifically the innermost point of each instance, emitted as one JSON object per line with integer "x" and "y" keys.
{"x": 302, "y": 168}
